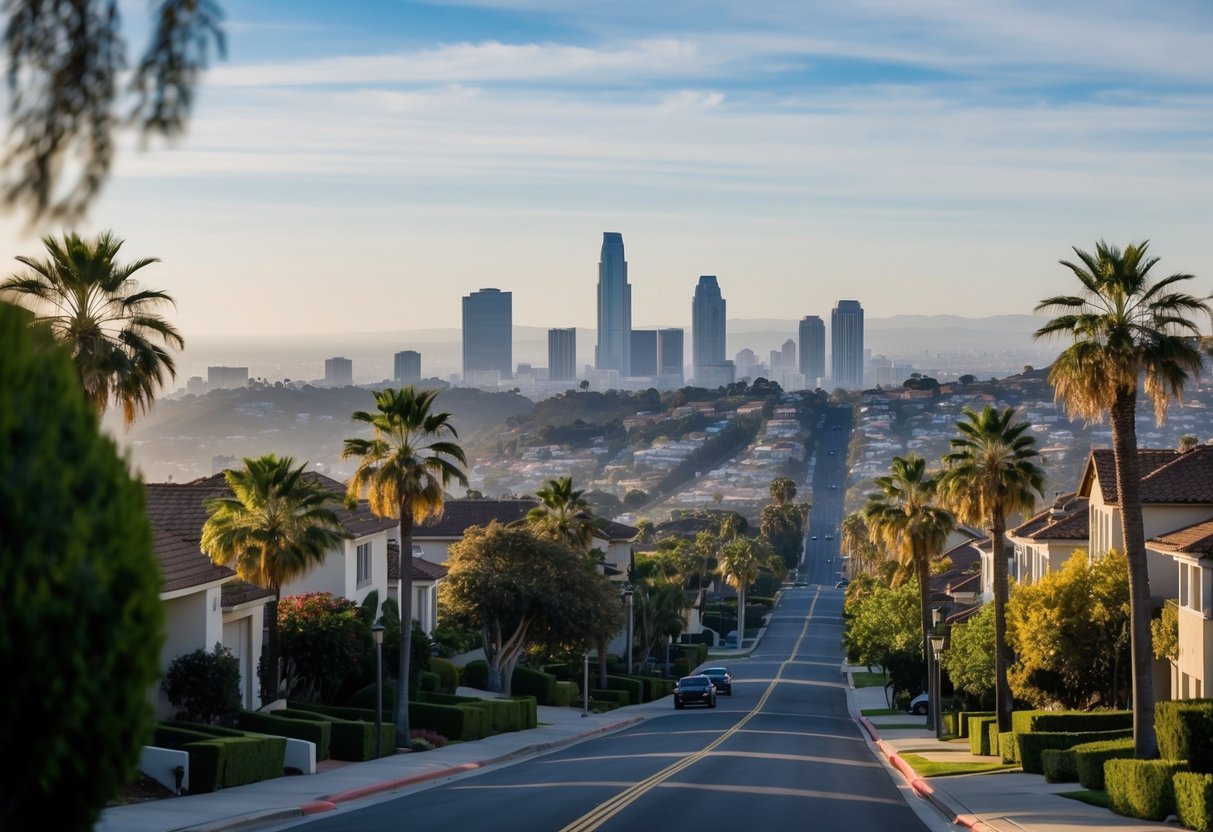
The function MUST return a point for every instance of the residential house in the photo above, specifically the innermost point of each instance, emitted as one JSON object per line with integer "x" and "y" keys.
{"x": 1047, "y": 540}
{"x": 426, "y": 577}
{"x": 1191, "y": 548}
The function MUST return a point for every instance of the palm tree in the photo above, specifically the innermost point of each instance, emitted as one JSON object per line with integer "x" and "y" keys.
{"x": 783, "y": 491}
{"x": 564, "y": 513}
{"x": 275, "y": 527}
{"x": 990, "y": 473}
{"x": 403, "y": 469}
{"x": 904, "y": 517}
{"x": 658, "y": 613}
{"x": 740, "y": 561}
{"x": 1125, "y": 325}
{"x": 857, "y": 544}
{"x": 120, "y": 346}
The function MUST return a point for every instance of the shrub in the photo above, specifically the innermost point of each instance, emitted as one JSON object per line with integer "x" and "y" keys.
{"x": 448, "y": 675}
{"x": 476, "y": 674}
{"x": 979, "y": 736}
{"x": 324, "y": 642}
{"x": 459, "y": 722}
{"x": 618, "y": 698}
{"x": 241, "y": 758}
{"x": 529, "y": 712}
{"x": 318, "y": 733}
{"x": 1185, "y": 732}
{"x": 963, "y": 721}
{"x": 432, "y": 738}
{"x": 204, "y": 686}
{"x": 80, "y": 615}
{"x": 528, "y": 682}
{"x": 1068, "y": 722}
{"x": 992, "y": 733}
{"x": 1008, "y": 748}
{"x": 634, "y": 688}
{"x": 1194, "y": 800}
{"x": 1089, "y": 759}
{"x": 567, "y": 693}
{"x": 351, "y": 739}
{"x": 429, "y": 681}
{"x": 1142, "y": 788}
{"x": 1031, "y": 745}
{"x": 1060, "y": 765}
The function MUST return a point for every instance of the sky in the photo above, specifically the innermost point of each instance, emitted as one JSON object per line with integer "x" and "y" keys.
{"x": 359, "y": 167}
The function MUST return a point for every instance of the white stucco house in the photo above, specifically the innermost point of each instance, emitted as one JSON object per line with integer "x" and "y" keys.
{"x": 1045, "y": 541}
{"x": 1191, "y": 549}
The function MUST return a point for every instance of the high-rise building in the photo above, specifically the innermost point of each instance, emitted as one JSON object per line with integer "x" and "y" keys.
{"x": 614, "y": 308}
{"x": 407, "y": 367}
{"x": 787, "y": 361}
{"x": 812, "y": 349}
{"x": 707, "y": 327}
{"x": 669, "y": 357}
{"x": 338, "y": 372}
{"x": 562, "y": 354}
{"x": 644, "y": 353}
{"x": 488, "y": 319}
{"x": 846, "y": 344}
{"x": 218, "y": 378}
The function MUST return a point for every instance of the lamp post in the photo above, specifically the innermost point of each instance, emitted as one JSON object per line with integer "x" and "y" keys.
{"x": 627, "y": 598}
{"x": 932, "y": 692}
{"x": 377, "y": 633}
{"x": 937, "y": 651}
{"x": 585, "y": 683}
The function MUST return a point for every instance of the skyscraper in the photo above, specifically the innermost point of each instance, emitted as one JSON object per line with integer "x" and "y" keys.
{"x": 812, "y": 349}
{"x": 338, "y": 372}
{"x": 614, "y": 350}
{"x": 644, "y": 353}
{"x": 562, "y": 354}
{"x": 669, "y": 357}
{"x": 220, "y": 378}
{"x": 488, "y": 317}
{"x": 407, "y": 369}
{"x": 846, "y": 344}
{"x": 707, "y": 328}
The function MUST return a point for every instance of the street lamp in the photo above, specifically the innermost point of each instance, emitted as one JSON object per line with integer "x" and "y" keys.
{"x": 585, "y": 683}
{"x": 937, "y": 651}
{"x": 377, "y": 634}
{"x": 627, "y": 598}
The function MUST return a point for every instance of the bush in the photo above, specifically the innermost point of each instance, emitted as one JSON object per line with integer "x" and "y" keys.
{"x": 1060, "y": 765}
{"x": 567, "y": 693}
{"x": 448, "y": 675}
{"x": 1194, "y": 800}
{"x": 1185, "y": 732}
{"x": 979, "y": 735}
{"x": 1069, "y": 722}
{"x": 431, "y": 738}
{"x": 205, "y": 686}
{"x": 324, "y": 643}
{"x": 476, "y": 674}
{"x": 536, "y": 683}
{"x": 351, "y": 739}
{"x": 1008, "y": 748}
{"x": 634, "y": 687}
{"x": 1142, "y": 788}
{"x": 226, "y": 757}
{"x": 963, "y": 721}
{"x": 318, "y": 733}
{"x": 529, "y": 711}
{"x": 429, "y": 681}
{"x": 619, "y": 698}
{"x": 80, "y": 615}
{"x": 992, "y": 734}
{"x": 459, "y": 722}
{"x": 1031, "y": 745}
{"x": 1089, "y": 759}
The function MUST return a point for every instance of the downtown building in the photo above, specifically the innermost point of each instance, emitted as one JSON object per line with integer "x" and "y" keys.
{"x": 406, "y": 367}
{"x": 709, "y": 369}
{"x": 226, "y": 378}
{"x": 488, "y": 319}
{"x": 562, "y": 354}
{"x": 846, "y": 344}
{"x": 614, "y": 349}
{"x": 338, "y": 372}
{"x": 812, "y": 349}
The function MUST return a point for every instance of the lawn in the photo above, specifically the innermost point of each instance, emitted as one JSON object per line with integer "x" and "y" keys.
{"x": 930, "y": 768}
{"x": 868, "y": 679}
{"x": 881, "y": 711}
{"x": 1091, "y": 796}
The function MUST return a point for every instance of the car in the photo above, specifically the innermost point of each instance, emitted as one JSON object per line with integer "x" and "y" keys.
{"x": 919, "y": 705}
{"x": 800, "y": 584}
{"x": 814, "y": 537}
{"x": 694, "y": 690}
{"x": 831, "y": 453}
{"x": 843, "y": 584}
{"x": 722, "y": 680}
{"x": 829, "y": 537}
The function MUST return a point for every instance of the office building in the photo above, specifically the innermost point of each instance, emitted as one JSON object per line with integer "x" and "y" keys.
{"x": 644, "y": 353}
{"x": 812, "y": 349}
{"x": 846, "y": 344}
{"x": 614, "y": 308}
{"x": 707, "y": 328}
{"x": 716, "y": 374}
{"x": 407, "y": 367}
{"x": 562, "y": 354}
{"x": 669, "y": 357}
{"x": 219, "y": 378}
{"x": 338, "y": 372}
{"x": 488, "y": 320}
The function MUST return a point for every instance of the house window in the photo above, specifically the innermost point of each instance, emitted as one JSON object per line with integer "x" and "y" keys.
{"x": 1194, "y": 588}
{"x": 364, "y": 564}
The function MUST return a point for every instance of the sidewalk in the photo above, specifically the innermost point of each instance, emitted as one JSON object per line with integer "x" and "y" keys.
{"x": 1005, "y": 801}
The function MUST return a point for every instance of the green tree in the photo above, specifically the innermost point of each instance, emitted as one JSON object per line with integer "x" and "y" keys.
{"x": 782, "y": 526}
{"x": 80, "y": 616}
{"x": 93, "y": 305}
{"x": 991, "y": 473}
{"x": 1124, "y": 325}
{"x": 564, "y": 513}
{"x": 659, "y": 614}
{"x": 884, "y": 630}
{"x": 783, "y": 491}
{"x": 205, "y": 686}
{"x": 969, "y": 659}
{"x": 404, "y": 469}
{"x": 277, "y": 525}
{"x": 740, "y": 560}
{"x": 324, "y": 640}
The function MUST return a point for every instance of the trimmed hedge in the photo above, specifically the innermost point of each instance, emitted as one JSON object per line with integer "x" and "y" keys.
{"x": 1142, "y": 788}
{"x": 1194, "y": 800}
{"x": 1090, "y": 757}
{"x": 455, "y": 722}
{"x": 536, "y": 683}
{"x": 634, "y": 688}
{"x": 1069, "y": 722}
{"x": 476, "y": 674}
{"x": 567, "y": 693}
{"x": 448, "y": 674}
{"x": 695, "y": 654}
{"x": 618, "y": 698}
{"x": 962, "y": 722}
{"x": 1060, "y": 765}
{"x": 429, "y": 682}
{"x": 500, "y": 715}
{"x": 224, "y": 757}
{"x": 979, "y": 735}
{"x": 1185, "y": 732}
{"x": 530, "y": 712}
{"x": 351, "y": 739}
{"x": 318, "y": 733}
{"x": 992, "y": 734}
{"x": 1008, "y": 748}
{"x": 1031, "y": 745}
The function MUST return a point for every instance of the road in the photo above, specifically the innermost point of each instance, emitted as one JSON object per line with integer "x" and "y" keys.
{"x": 782, "y": 752}
{"x": 821, "y": 563}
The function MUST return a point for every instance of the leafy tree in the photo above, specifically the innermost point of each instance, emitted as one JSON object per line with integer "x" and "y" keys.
{"x": 967, "y": 379}
{"x": 1164, "y": 633}
{"x": 991, "y": 473}
{"x": 205, "y": 686}
{"x": 277, "y": 525}
{"x": 634, "y": 499}
{"x": 324, "y": 640}
{"x": 782, "y": 526}
{"x": 80, "y": 616}
{"x": 404, "y": 469}
{"x": 884, "y": 630}
{"x": 969, "y": 659}
{"x": 1124, "y": 326}
{"x": 564, "y": 513}
{"x": 659, "y": 616}
{"x": 93, "y": 305}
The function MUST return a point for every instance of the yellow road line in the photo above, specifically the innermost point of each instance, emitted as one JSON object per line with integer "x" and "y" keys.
{"x": 610, "y": 808}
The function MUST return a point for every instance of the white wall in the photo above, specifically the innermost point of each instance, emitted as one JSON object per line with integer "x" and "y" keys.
{"x": 192, "y": 621}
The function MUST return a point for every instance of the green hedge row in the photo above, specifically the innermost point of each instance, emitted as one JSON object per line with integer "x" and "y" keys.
{"x": 222, "y": 757}
{"x": 500, "y": 715}
{"x": 618, "y": 698}
{"x": 455, "y": 722}
{"x": 1060, "y": 765}
{"x": 536, "y": 683}
{"x": 448, "y": 674}
{"x": 1069, "y": 722}
{"x": 1008, "y": 748}
{"x": 979, "y": 735}
{"x": 567, "y": 693}
{"x": 1142, "y": 788}
{"x": 634, "y": 688}
{"x": 1090, "y": 757}
{"x": 1185, "y": 732}
{"x": 353, "y": 737}
{"x": 962, "y": 722}
{"x": 1031, "y": 745}
{"x": 429, "y": 682}
{"x": 318, "y": 733}
{"x": 1194, "y": 800}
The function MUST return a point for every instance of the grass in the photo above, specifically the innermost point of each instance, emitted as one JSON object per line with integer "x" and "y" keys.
{"x": 899, "y": 726}
{"x": 931, "y": 768}
{"x": 1090, "y": 796}
{"x": 868, "y": 679}
{"x": 882, "y": 712}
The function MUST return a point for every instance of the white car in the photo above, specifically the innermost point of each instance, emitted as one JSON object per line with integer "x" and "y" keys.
{"x": 919, "y": 705}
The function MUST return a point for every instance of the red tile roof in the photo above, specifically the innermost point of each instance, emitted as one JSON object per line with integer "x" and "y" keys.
{"x": 423, "y": 570}
{"x": 1196, "y": 539}
{"x": 182, "y": 565}
{"x": 1101, "y": 464}
{"x": 1066, "y": 519}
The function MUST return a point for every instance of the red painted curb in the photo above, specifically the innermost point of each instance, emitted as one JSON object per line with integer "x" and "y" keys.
{"x": 398, "y": 783}
{"x": 317, "y": 806}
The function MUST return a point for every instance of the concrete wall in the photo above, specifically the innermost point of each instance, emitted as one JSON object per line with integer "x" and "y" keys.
{"x": 191, "y": 621}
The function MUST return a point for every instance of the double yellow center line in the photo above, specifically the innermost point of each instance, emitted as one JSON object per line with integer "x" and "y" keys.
{"x": 608, "y": 809}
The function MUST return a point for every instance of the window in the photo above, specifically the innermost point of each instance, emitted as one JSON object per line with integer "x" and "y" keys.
{"x": 1194, "y": 588}
{"x": 364, "y": 564}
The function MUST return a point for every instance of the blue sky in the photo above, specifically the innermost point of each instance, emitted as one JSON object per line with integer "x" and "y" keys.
{"x": 361, "y": 166}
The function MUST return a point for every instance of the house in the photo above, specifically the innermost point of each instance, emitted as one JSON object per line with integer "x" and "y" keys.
{"x": 1046, "y": 540}
{"x": 1191, "y": 548}
{"x": 426, "y": 576}
{"x": 959, "y": 587}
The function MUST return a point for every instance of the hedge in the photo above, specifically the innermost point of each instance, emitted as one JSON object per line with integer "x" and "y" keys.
{"x": 1060, "y": 765}
{"x": 1008, "y": 748}
{"x": 1090, "y": 757}
{"x": 536, "y": 683}
{"x": 476, "y": 674}
{"x": 618, "y": 697}
{"x": 567, "y": 693}
{"x": 963, "y": 721}
{"x": 634, "y": 688}
{"x": 529, "y": 711}
{"x": 222, "y": 757}
{"x": 455, "y": 722}
{"x": 429, "y": 682}
{"x": 1185, "y": 732}
{"x": 695, "y": 654}
{"x": 1194, "y": 800}
{"x": 1069, "y": 722}
{"x": 351, "y": 739}
{"x": 1030, "y": 745}
{"x": 206, "y": 755}
{"x": 500, "y": 715}
{"x": 448, "y": 674}
{"x": 1142, "y": 788}
{"x": 979, "y": 736}
{"x": 317, "y": 733}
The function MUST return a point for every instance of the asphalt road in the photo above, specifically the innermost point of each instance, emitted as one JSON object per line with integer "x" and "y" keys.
{"x": 822, "y": 563}
{"x": 782, "y": 752}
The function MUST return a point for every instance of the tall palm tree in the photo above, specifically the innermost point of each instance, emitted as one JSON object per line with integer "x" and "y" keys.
{"x": 404, "y": 469}
{"x": 904, "y": 517}
{"x": 658, "y": 612}
{"x": 990, "y": 473}
{"x": 857, "y": 544}
{"x": 276, "y": 526}
{"x": 1125, "y": 325}
{"x": 783, "y": 491}
{"x": 119, "y": 344}
{"x": 740, "y": 560}
{"x": 565, "y": 513}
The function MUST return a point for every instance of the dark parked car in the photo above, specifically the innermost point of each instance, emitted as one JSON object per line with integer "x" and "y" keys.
{"x": 722, "y": 680}
{"x": 694, "y": 690}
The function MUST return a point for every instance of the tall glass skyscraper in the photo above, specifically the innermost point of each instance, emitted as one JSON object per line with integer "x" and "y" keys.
{"x": 562, "y": 354}
{"x": 488, "y": 320}
{"x": 407, "y": 367}
{"x": 812, "y": 349}
{"x": 707, "y": 329}
{"x": 846, "y": 343}
{"x": 614, "y": 350}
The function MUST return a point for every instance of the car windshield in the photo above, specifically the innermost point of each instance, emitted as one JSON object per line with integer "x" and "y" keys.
{"x": 694, "y": 682}
{"x": 716, "y": 671}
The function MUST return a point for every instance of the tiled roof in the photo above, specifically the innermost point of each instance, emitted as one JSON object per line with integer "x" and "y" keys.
{"x": 1102, "y": 464}
{"x": 237, "y": 592}
{"x": 423, "y": 570}
{"x": 963, "y": 615}
{"x": 617, "y": 531}
{"x": 1066, "y": 519}
{"x": 182, "y": 564}
{"x": 965, "y": 557}
{"x": 1196, "y": 539}
{"x": 1186, "y": 479}
{"x": 458, "y": 515}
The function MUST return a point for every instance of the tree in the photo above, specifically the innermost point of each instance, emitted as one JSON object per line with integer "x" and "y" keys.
{"x": 782, "y": 526}
{"x": 277, "y": 525}
{"x": 658, "y": 613}
{"x": 564, "y": 513}
{"x": 81, "y": 622}
{"x": 990, "y": 473}
{"x": 740, "y": 560}
{"x": 967, "y": 379}
{"x": 635, "y": 499}
{"x": 205, "y": 686}
{"x": 93, "y": 305}
{"x": 783, "y": 491}
{"x": 324, "y": 639}
{"x": 884, "y": 630}
{"x": 1125, "y": 325}
{"x": 903, "y": 517}
{"x": 404, "y": 469}
{"x": 969, "y": 659}
{"x": 65, "y": 60}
